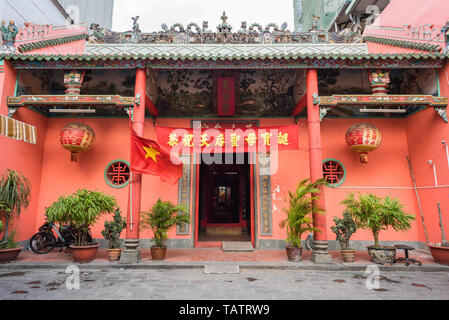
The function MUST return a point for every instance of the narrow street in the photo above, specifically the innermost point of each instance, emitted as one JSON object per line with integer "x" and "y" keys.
{"x": 192, "y": 284}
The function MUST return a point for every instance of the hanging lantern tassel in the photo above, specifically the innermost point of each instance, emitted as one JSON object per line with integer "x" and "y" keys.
{"x": 77, "y": 137}
{"x": 363, "y": 138}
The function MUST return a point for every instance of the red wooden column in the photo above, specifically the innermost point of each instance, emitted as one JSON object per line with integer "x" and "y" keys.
{"x": 320, "y": 254}
{"x": 131, "y": 254}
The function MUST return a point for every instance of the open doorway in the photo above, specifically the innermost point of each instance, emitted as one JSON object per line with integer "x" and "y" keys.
{"x": 225, "y": 200}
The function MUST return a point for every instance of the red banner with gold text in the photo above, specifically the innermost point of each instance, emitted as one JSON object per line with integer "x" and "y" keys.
{"x": 229, "y": 140}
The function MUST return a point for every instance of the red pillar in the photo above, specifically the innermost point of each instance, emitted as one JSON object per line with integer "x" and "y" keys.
{"x": 316, "y": 159}
{"x": 132, "y": 230}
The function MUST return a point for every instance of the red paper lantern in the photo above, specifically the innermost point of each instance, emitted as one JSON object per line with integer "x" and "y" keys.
{"x": 77, "y": 137}
{"x": 363, "y": 138}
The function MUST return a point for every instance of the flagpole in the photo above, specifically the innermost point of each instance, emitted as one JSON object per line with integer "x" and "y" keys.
{"x": 137, "y": 121}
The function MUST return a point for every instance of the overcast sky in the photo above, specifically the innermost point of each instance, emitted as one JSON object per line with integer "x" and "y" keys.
{"x": 155, "y": 12}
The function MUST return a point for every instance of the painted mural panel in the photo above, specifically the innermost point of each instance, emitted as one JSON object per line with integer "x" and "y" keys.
{"x": 193, "y": 93}
{"x": 185, "y": 93}
{"x": 117, "y": 82}
{"x": 40, "y": 82}
{"x": 266, "y": 92}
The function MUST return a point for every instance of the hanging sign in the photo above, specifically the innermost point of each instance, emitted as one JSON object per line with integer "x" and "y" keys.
{"x": 226, "y": 97}
{"x": 229, "y": 140}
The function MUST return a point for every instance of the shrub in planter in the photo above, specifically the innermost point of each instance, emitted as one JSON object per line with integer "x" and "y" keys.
{"x": 377, "y": 214}
{"x": 299, "y": 216}
{"x": 82, "y": 210}
{"x": 9, "y": 248}
{"x": 344, "y": 229}
{"x": 4, "y": 211}
{"x": 112, "y": 231}
{"x": 162, "y": 217}
{"x": 15, "y": 195}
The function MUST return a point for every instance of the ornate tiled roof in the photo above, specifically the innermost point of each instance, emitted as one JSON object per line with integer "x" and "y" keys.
{"x": 194, "y": 34}
{"x": 182, "y": 56}
{"x": 403, "y": 43}
{"x": 51, "y": 42}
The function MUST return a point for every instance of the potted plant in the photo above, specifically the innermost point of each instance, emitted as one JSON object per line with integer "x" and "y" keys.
{"x": 82, "y": 210}
{"x": 15, "y": 194}
{"x": 112, "y": 231}
{"x": 440, "y": 251}
{"x": 162, "y": 217}
{"x": 9, "y": 248}
{"x": 344, "y": 229}
{"x": 299, "y": 216}
{"x": 4, "y": 212}
{"x": 377, "y": 214}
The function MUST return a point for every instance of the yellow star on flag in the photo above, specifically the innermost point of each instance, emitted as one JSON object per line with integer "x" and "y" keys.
{"x": 151, "y": 153}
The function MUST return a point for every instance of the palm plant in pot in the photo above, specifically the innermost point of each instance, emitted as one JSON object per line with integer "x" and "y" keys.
{"x": 344, "y": 229}
{"x": 377, "y": 214}
{"x": 162, "y": 217}
{"x": 15, "y": 195}
{"x": 82, "y": 210}
{"x": 112, "y": 231}
{"x": 299, "y": 216}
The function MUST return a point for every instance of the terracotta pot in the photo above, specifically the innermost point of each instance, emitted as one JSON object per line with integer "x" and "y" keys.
{"x": 440, "y": 254}
{"x": 382, "y": 255}
{"x": 158, "y": 253}
{"x": 8, "y": 255}
{"x": 294, "y": 254}
{"x": 114, "y": 254}
{"x": 84, "y": 254}
{"x": 348, "y": 255}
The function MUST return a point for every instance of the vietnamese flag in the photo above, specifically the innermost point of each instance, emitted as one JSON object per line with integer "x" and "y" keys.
{"x": 147, "y": 157}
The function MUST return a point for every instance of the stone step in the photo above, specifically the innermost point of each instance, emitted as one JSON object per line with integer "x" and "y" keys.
{"x": 237, "y": 247}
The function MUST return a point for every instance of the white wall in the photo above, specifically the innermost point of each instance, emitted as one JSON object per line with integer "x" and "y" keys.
{"x": 90, "y": 11}
{"x": 37, "y": 11}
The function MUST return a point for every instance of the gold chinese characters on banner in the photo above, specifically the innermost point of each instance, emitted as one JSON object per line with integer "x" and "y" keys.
{"x": 17, "y": 130}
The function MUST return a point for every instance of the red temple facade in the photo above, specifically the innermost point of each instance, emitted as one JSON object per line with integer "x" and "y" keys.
{"x": 352, "y": 109}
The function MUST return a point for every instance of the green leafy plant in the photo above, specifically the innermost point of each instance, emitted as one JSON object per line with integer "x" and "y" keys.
{"x": 344, "y": 229}
{"x": 299, "y": 214}
{"x": 4, "y": 211}
{"x": 113, "y": 229}
{"x": 162, "y": 217}
{"x": 15, "y": 193}
{"x": 10, "y": 241}
{"x": 377, "y": 214}
{"x": 81, "y": 209}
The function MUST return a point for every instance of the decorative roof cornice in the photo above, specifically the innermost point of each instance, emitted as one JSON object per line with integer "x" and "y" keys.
{"x": 280, "y": 61}
{"x": 403, "y": 44}
{"x": 163, "y": 56}
{"x": 51, "y": 42}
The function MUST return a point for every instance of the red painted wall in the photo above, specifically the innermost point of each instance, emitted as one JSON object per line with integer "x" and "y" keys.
{"x": 386, "y": 173}
{"x": 21, "y": 156}
{"x": 390, "y": 24}
{"x": 387, "y": 168}
{"x": 425, "y": 131}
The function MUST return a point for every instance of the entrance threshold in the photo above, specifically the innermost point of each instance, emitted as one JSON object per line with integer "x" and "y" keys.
{"x": 228, "y": 246}
{"x": 205, "y": 244}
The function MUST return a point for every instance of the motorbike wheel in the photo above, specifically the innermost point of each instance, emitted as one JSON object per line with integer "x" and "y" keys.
{"x": 42, "y": 243}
